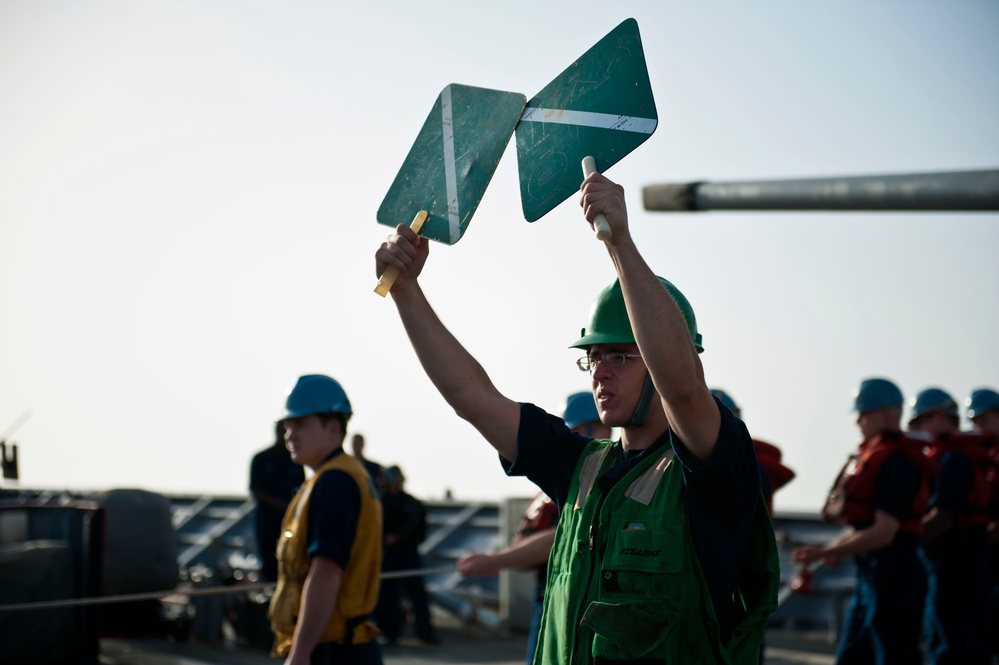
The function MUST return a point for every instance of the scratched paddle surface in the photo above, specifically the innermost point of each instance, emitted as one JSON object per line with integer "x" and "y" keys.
{"x": 452, "y": 160}
{"x": 600, "y": 106}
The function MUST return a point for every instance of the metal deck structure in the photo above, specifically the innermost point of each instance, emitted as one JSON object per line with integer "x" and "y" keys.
{"x": 216, "y": 547}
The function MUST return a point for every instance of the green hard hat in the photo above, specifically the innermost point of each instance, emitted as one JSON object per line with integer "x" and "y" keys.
{"x": 609, "y": 322}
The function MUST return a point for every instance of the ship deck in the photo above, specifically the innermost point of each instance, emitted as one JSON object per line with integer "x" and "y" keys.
{"x": 460, "y": 645}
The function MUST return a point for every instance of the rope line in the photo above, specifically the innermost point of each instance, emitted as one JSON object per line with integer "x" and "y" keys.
{"x": 189, "y": 592}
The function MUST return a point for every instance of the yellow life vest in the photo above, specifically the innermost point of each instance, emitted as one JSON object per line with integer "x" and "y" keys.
{"x": 358, "y": 595}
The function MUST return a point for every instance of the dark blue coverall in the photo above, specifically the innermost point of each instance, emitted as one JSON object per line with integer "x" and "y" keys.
{"x": 885, "y": 615}
{"x": 957, "y": 606}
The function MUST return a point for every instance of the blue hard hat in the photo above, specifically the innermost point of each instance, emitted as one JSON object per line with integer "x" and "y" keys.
{"x": 727, "y": 400}
{"x": 314, "y": 394}
{"x": 930, "y": 400}
{"x": 981, "y": 400}
{"x": 580, "y": 408}
{"x": 875, "y": 394}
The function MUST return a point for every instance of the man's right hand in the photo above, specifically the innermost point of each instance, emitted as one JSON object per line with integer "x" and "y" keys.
{"x": 405, "y": 250}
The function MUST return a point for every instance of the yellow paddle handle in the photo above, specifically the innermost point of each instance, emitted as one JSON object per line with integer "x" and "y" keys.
{"x": 387, "y": 279}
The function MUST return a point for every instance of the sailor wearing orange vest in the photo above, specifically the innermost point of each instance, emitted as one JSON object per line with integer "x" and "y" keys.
{"x": 774, "y": 473}
{"x": 983, "y": 412}
{"x": 330, "y": 550}
{"x": 957, "y": 606}
{"x": 882, "y": 494}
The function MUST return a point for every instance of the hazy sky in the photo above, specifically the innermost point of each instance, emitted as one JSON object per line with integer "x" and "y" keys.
{"x": 187, "y": 222}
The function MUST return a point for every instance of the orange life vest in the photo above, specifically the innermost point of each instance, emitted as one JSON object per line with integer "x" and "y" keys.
{"x": 994, "y": 478}
{"x": 769, "y": 456}
{"x": 976, "y": 448}
{"x": 541, "y": 514}
{"x": 851, "y": 499}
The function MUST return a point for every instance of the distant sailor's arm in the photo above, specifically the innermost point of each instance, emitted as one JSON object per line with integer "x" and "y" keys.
{"x": 530, "y": 551}
{"x": 875, "y": 537}
{"x": 660, "y": 329}
{"x": 458, "y": 376}
{"x": 319, "y": 595}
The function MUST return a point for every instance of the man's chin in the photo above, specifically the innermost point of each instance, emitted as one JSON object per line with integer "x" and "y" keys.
{"x": 614, "y": 420}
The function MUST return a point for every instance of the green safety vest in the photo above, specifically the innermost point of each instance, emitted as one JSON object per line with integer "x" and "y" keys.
{"x": 624, "y": 581}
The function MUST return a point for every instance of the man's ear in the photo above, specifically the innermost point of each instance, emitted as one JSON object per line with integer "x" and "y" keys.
{"x": 335, "y": 432}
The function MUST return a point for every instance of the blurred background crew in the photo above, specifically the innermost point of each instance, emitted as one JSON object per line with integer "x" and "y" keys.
{"x": 375, "y": 470}
{"x": 330, "y": 550}
{"x": 983, "y": 412}
{"x": 532, "y": 543}
{"x": 954, "y": 532}
{"x": 774, "y": 473}
{"x": 405, "y": 529}
{"x": 882, "y": 494}
{"x": 274, "y": 479}
{"x": 580, "y": 415}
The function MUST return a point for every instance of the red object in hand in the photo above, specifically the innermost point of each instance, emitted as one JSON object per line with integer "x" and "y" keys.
{"x": 802, "y": 582}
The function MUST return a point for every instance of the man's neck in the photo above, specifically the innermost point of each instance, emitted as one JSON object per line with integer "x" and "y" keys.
{"x": 324, "y": 459}
{"x": 639, "y": 438}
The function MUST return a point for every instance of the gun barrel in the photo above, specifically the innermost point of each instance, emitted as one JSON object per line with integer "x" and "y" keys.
{"x": 952, "y": 191}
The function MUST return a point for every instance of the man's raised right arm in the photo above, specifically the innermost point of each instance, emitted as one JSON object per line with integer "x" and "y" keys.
{"x": 458, "y": 376}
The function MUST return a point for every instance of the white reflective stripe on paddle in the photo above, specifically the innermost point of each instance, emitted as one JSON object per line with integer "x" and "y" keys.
{"x": 450, "y": 181}
{"x": 623, "y": 123}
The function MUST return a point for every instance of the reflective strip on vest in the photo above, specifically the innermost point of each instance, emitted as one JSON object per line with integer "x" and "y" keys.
{"x": 588, "y": 474}
{"x": 645, "y": 485}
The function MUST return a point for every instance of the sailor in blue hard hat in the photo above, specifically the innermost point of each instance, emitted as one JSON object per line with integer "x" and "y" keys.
{"x": 954, "y": 531}
{"x": 331, "y": 540}
{"x": 983, "y": 411}
{"x": 580, "y": 415}
{"x": 881, "y": 496}
{"x": 933, "y": 412}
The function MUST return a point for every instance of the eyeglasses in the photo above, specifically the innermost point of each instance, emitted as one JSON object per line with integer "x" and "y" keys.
{"x": 611, "y": 360}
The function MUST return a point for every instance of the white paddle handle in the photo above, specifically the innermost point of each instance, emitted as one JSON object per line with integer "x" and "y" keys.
{"x": 387, "y": 279}
{"x": 600, "y": 224}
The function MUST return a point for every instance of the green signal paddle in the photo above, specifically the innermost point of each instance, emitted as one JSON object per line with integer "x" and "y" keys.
{"x": 451, "y": 163}
{"x": 601, "y": 107}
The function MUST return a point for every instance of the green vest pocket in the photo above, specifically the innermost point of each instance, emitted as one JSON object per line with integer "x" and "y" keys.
{"x": 628, "y": 630}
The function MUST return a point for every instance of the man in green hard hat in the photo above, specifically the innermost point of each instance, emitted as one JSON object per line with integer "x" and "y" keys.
{"x": 664, "y": 551}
